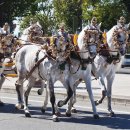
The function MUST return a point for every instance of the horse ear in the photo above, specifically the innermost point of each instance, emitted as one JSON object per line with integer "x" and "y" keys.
{"x": 85, "y": 31}
{"x": 39, "y": 24}
{"x": 118, "y": 22}
{"x": 99, "y": 25}
{"x": 88, "y": 22}
{"x": 128, "y": 25}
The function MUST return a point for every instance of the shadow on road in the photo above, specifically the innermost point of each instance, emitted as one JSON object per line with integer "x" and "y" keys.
{"x": 121, "y": 121}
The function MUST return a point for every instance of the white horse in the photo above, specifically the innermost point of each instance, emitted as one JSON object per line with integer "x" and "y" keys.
{"x": 109, "y": 59}
{"x": 81, "y": 63}
{"x": 107, "y": 62}
{"x": 28, "y": 33}
{"x": 47, "y": 70}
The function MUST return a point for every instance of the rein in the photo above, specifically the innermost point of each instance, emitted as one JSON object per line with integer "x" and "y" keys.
{"x": 34, "y": 67}
{"x": 108, "y": 50}
{"x": 105, "y": 51}
{"x": 37, "y": 63}
{"x": 75, "y": 71}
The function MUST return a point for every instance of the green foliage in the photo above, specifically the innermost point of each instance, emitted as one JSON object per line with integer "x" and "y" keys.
{"x": 43, "y": 14}
{"x": 12, "y": 8}
{"x": 50, "y": 13}
{"x": 106, "y": 11}
{"x": 69, "y": 12}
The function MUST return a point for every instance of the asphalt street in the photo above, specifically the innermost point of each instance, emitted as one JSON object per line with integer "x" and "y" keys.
{"x": 10, "y": 119}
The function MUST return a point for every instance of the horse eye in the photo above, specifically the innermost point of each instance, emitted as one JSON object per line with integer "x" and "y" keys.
{"x": 119, "y": 36}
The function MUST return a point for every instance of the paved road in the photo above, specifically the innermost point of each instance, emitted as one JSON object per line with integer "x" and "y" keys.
{"x": 83, "y": 120}
{"x": 121, "y": 88}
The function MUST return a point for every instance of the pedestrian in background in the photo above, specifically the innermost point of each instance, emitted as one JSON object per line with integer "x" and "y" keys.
{"x": 5, "y": 30}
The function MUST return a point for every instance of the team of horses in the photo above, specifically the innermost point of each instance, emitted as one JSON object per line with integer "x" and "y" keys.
{"x": 50, "y": 59}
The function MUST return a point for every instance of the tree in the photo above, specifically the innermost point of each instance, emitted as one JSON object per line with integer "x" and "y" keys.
{"x": 9, "y": 9}
{"x": 43, "y": 14}
{"x": 127, "y": 5}
{"x": 106, "y": 11}
{"x": 69, "y": 12}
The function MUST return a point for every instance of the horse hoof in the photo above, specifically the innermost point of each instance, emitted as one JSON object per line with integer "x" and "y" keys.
{"x": 43, "y": 110}
{"x": 111, "y": 114}
{"x": 60, "y": 103}
{"x": 27, "y": 114}
{"x": 1, "y": 104}
{"x": 74, "y": 110}
{"x": 22, "y": 106}
{"x": 19, "y": 106}
{"x": 55, "y": 118}
{"x": 39, "y": 92}
{"x": 68, "y": 114}
{"x": 96, "y": 116}
{"x": 96, "y": 102}
{"x": 58, "y": 113}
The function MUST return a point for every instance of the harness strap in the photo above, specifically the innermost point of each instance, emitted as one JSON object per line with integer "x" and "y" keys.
{"x": 86, "y": 61}
{"x": 35, "y": 66}
{"x": 38, "y": 65}
{"x": 2, "y": 56}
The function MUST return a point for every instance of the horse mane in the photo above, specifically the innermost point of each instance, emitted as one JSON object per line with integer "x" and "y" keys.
{"x": 109, "y": 35}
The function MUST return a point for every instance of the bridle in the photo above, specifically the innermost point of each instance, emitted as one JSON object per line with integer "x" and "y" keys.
{"x": 116, "y": 34}
{"x": 106, "y": 51}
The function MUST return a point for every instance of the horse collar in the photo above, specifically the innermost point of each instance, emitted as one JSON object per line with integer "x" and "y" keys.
{"x": 113, "y": 58}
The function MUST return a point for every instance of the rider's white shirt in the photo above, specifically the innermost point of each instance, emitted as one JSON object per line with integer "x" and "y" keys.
{"x": 2, "y": 31}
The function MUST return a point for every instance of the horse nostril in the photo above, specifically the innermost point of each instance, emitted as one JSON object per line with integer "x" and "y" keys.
{"x": 93, "y": 54}
{"x": 122, "y": 52}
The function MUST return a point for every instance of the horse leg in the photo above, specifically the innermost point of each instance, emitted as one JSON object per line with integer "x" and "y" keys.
{"x": 52, "y": 99}
{"x": 31, "y": 82}
{"x": 89, "y": 89}
{"x": 2, "y": 79}
{"x": 109, "y": 93}
{"x": 43, "y": 108}
{"x": 73, "y": 109}
{"x": 19, "y": 90}
{"x": 71, "y": 89}
{"x": 43, "y": 85}
{"x": 69, "y": 94}
{"x": 104, "y": 91}
{"x": 69, "y": 109}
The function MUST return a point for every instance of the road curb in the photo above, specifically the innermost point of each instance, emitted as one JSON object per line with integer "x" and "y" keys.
{"x": 80, "y": 96}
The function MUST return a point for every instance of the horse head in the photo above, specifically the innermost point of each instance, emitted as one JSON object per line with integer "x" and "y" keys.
{"x": 117, "y": 39}
{"x": 6, "y": 44}
{"x": 60, "y": 48}
{"x": 35, "y": 30}
{"x": 88, "y": 40}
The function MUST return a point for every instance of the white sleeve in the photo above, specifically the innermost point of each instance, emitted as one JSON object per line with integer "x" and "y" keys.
{"x": 1, "y": 31}
{"x": 9, "y": 29}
